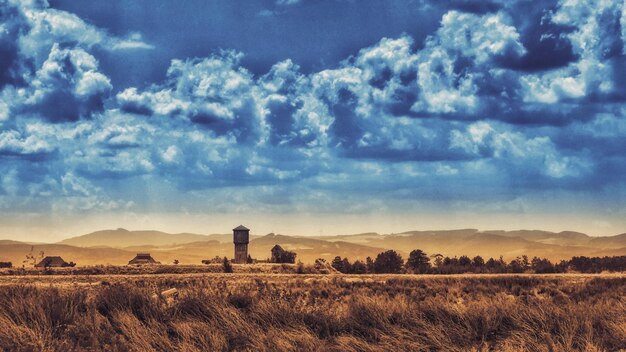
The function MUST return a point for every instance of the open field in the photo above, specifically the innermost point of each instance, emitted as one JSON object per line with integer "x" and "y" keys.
{"x": 291, "y": 312}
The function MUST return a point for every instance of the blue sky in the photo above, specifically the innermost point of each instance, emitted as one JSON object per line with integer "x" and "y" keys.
{"x": 308, "y": 117}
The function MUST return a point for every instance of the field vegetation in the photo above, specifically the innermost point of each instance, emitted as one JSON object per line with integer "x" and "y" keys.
{"x": 419, "y": 262}
{"x": 282, "y": 312}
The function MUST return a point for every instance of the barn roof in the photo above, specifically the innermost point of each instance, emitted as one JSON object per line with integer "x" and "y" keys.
{"x": 241, "y": 228}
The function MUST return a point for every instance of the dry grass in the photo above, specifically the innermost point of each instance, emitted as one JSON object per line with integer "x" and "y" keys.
{"x": 155, "y": 269}
{"x": 318, "y": 313}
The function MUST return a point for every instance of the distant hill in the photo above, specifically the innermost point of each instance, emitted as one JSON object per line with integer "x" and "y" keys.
{"x": 609, "y": 241}
{"x": 495, "y": 243}
{"x": 547, "y": 237}
{"x": 356, "y": 238}
{"x": 308, "y": 249}
{"x": 121, "y": 238}
{"x": 119, "y": 246}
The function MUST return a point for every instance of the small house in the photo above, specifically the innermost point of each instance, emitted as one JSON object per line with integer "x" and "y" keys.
{"x": 143, "y": 259}
{"x": 53, "y": 262}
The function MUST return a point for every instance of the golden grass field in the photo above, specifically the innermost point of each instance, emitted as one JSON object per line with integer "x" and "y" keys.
{"x": 267, "y": 311}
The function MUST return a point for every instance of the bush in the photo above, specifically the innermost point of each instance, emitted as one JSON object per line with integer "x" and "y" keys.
{"x": 227, "y": 266}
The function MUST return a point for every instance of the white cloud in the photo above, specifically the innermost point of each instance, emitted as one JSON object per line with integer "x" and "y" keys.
{"x": 478, "y": 37}
{"x": 14, "y": 142}
{"x": 69, "y": 74}
{"x": 518, "y": 151}
{"x": 49, "y": 26}
{"x": 592, "y": 40}
{"x": 443, "y": 90}
{"x": 287, "y": 2}
{"x": 133, "y": 41}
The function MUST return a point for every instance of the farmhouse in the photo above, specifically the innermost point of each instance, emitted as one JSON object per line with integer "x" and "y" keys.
{"x": 53, "y": 262}
{"x": 143, "y": 259}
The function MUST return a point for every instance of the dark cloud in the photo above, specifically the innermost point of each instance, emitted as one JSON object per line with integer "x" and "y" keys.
{"x": 10, "y": 64}
{"x": 472, "y": 6}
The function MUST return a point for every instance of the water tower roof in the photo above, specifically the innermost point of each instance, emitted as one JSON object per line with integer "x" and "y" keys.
{"x": 241, "y": 228}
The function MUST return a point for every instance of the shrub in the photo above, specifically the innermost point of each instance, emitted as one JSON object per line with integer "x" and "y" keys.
{"x": 227, "y": 266}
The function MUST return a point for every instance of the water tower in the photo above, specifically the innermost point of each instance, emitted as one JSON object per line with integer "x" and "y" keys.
{"x": 241, "y": 238}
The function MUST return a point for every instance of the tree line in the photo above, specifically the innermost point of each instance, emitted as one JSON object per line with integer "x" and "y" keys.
{"x": 418, "y": 262}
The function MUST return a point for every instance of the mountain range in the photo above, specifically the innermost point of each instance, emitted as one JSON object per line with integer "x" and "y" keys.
{"x": 118, "y": 246}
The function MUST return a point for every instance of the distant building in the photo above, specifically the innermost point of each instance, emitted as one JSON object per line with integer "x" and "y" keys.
{"x": 241, "y": 238}
{"x": 143, "y": 259}
{"x": 6, "y": 265}
{"x": 53, "y": 262}
{"x": 279, "y": 255}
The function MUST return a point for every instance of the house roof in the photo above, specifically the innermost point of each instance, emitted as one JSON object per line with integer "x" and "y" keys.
{"x": 146, "y": 256}
{"x": 277, "y": 248}
{"x": 143, "y": 258}
{"x": 241, "y": 228}
{"x": 51, "y": 261}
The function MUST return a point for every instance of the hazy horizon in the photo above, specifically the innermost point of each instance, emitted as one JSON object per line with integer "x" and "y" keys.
{"x": 285, "y": 225}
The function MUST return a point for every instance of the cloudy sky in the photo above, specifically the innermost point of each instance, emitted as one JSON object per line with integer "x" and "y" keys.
{"x": 311, "y": 117}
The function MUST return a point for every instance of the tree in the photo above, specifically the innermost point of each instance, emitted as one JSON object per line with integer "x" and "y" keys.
{"x": 359, "y": 267}
{"x": 388, "y": 262}
{"x": 33, "y": 259}
{"x": 542, "y": 266}
{"x": 347, "y": 267}
{"x": 369, "y": 263}
{"x": 516, "y": 265}
{"x": 495, "y": 266}
{"x": 478, "y": 261}
{"x": 525, "y": 263}
{"x": 465, "y": 261}
{"x": 176, "y": 262}
{"x": 337, "y": 263}
{"x": 418, "y": 262}
{"x": 447, "y": 261}
{"x": 438, "y": 261}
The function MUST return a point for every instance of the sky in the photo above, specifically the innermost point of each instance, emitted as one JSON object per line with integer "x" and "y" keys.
{"x": 309, "y": 117}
